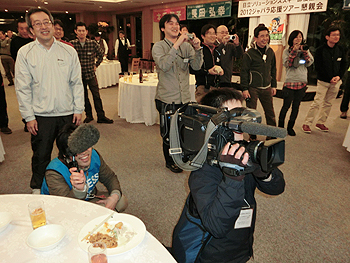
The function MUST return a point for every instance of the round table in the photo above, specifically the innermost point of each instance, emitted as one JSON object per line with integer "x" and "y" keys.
{"x": 72, "y": 214}
{"x": 107, "y": 73}
{"x": 2, "y": 151}
{"x": 136, "y": 100}
{"x": 346, "y": 142}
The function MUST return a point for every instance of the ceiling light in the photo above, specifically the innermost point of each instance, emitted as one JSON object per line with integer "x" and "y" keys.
{"x": 66, "y": 12}
{"x": 6, "y": 10}
{"x": 46, "y": 3}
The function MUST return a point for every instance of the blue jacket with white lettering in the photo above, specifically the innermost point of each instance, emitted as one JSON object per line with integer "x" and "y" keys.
{"x": 57, "y": 177}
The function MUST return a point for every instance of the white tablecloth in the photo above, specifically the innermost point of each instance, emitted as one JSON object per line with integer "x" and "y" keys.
{"x": 346, "y": 142}
{"x": 72, "y": 214}
{"x": 2, "y": 151}
{"x": 107, "y": 73}
{"x": 136, "y": 100}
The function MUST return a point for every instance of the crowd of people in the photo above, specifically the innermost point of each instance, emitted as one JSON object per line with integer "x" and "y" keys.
{"x": 51, "y": 76}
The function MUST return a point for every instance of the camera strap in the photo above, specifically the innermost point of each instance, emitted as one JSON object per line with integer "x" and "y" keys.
{"x": 176, "y": 150}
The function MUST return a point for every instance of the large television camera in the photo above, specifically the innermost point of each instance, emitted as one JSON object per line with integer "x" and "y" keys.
{"x": 199, "y": 132}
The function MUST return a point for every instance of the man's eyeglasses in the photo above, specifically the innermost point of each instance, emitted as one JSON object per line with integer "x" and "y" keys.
{"x": 45, "y": 23}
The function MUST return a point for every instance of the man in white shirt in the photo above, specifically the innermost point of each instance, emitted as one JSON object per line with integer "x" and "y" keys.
{"x": 122, "y": 50}
{"x": 49, "y": 89}
{"x": 102, "y": 43}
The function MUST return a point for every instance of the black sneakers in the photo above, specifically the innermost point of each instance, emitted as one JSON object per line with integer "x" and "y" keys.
{"x": 104, "y": 120}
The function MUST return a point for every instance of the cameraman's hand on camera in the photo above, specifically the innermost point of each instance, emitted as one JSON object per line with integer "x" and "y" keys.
{"x": 77, "y": 179}
{"x": 236, "y": 40}
{"x": 234, "y": 154}
{"x": 195, "y": 42}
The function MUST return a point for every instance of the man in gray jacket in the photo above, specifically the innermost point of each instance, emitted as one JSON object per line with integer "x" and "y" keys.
{"x": 258, "y": 74}
{"x": 49, "y": 89}
{"x": 173, "y": 55}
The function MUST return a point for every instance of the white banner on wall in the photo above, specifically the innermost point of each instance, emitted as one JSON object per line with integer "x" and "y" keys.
{"x": 276, "y": 26}
{"x": 251, "y": 8}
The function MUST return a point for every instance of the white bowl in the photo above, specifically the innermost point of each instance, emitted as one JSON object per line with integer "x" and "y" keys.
{"x": 46, "y": 237}
{"x": 5, "y": 219}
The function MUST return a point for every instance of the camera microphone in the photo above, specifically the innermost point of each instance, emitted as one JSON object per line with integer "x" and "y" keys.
{"x": 83, "y": 137}
{"x": 258, "y": 129}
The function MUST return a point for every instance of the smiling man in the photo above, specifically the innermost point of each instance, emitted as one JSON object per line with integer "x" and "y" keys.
{"x": 208, "y": 76}
{"x": 49, "y": 89}
{"x": 173, "y": 55}
{"x": 258, "y": 75}
{"x": 64, "y": 177}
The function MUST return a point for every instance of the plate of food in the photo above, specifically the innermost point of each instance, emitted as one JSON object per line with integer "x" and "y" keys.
{"x": 121, "y": 233}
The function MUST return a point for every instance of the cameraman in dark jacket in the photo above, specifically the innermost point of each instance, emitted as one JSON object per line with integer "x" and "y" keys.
{"x": 220, "y": 210}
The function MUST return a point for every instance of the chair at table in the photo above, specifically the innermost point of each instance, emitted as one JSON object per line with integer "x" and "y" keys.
{"x": 135, "y": 65}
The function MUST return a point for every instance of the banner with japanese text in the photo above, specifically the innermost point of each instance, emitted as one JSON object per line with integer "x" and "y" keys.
{"x": 210, "y": 10}
{"x": 179, "y": 11}
{"x": 251, "y": 8}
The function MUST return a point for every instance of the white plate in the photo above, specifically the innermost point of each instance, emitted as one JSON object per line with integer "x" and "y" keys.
{"x": 46, "y": 237}
{"x": 131, "y": 222}
{"x": 5, "y": 219}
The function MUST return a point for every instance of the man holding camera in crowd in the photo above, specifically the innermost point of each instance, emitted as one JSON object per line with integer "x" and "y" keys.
{"x": 330, "y": 64}
{"x": 229, "y": 48}
{"x": 207, "y": 77}
{"x": 77, "y": 178}
{"x": 258, "y": 75}
{"x": 49, "y": 89}
{"x": 173, "y": 55}
{"x": 218, "y": 220}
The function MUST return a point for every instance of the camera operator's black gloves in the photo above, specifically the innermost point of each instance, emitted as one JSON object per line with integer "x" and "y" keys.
{"x": 233, "y": 167}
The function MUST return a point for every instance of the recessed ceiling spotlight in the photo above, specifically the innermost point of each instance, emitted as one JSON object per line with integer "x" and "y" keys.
{"x": 66, "y": 12}
{"x": 46, "y": 3}
{"x": 70, "y": 18}
{"x": 6, "y": 10}
{"x": 100, "y": 6}
{"x": 39, "y": 6}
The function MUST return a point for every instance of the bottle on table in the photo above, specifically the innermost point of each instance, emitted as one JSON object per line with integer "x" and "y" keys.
{"x": 141, "y": 76}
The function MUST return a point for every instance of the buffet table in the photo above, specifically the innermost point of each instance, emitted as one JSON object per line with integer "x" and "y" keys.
{"x": 73, "y": 215}
{"x": 136, "y": 100}
{"x": 107, "y": 73}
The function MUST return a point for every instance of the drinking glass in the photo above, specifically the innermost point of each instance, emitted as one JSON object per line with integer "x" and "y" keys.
{"x": 98, "y": 253}
{"x": 37, "y": 213}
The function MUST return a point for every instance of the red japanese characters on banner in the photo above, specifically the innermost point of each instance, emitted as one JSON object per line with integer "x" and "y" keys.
{"x": 179, "y": 11}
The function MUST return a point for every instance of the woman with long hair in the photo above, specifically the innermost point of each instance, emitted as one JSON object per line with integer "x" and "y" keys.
{"x": 296, "y": 58}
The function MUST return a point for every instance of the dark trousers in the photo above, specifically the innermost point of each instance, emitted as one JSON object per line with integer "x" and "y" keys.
{"x": 290, "y": 96}
{"x": 9, "y": 66}
{"x": 265, "y": 97}
{"x": 42, "y": 144}
{"x": 165, "y": 128}
{"x": 344, "y": 106}
{"x": 93, "y": 86}
{"x": 4, "y": 120}
{"x": 124, "y": 62}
